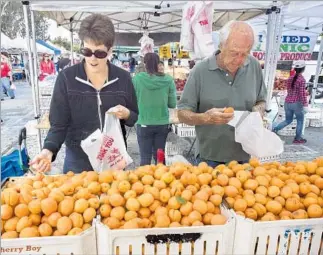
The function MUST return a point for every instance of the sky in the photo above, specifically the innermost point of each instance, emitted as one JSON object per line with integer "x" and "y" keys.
{"x": 55, "y": 31}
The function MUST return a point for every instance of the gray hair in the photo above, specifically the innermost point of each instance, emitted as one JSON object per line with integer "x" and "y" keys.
{"x": 225, "y": 31}
{"x": 99, "y": 29}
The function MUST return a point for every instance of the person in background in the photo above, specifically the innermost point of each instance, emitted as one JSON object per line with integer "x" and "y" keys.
{"x": 6, "y": 77}
{"x": 47, "y": 67}
{"x": 191, "y": 64}
{"x": 132, "y": 64}
{"x": 64, "y": 62}
{"x": 229, "y": 78}
{"x": 161, "y": 67}
{"x": 141, "y": 66}
{"x": 296, "y": 102}
{"x": 156, "y": 93}
{"x": 82, "y": 95}
{"x": 77, "y": 59}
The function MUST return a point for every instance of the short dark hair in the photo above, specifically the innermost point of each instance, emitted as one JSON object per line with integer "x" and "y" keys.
{"x": 151, "y": 61}
{"x": 5, "y": 54}
{"x": 99, "y": 29}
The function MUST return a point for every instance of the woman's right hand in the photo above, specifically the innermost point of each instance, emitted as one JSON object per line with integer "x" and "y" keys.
{"x": 42, "y": 162}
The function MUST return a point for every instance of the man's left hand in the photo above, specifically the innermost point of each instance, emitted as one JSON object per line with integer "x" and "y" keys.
{"x": 121, "y": 112}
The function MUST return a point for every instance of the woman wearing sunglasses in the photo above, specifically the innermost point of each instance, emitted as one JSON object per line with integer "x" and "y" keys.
{"x": 82, "y": 95}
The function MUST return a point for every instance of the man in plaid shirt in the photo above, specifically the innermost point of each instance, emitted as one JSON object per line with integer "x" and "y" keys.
{"x": 295, "y": 102}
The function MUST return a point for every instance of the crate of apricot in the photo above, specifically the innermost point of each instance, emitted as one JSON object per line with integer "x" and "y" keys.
{"x": 45, "y": 214}
{"x": 156, "y": 208}
{"x": 279, "y": 206}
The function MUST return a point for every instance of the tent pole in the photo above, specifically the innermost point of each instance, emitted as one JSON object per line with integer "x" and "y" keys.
{"x": 30, "y": 61}
{"x": 275, "y": 55}
{"x": 317, "y": 73}
{"x": 72, "y": 44}
{"x": 37, "y": 94}
{"x": 25, "y": 5}
{"x": 268, "y": 39}
{"x": 34, "y": 49}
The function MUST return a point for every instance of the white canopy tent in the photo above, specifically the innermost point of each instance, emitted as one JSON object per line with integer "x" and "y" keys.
{"x": 301, "y": 16}
{"x": 136, "y": 16}
{"x": 6, "y": 42}
{"x": 20, "y": 43}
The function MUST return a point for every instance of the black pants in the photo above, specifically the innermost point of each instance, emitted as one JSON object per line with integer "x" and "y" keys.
{"x": 150, "y": 139}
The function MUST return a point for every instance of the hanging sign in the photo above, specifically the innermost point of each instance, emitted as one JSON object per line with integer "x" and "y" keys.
{"x": 296, "y": 45}
{"x": 183, "y": 54}
{"x": 165, "y": 52}
{"x": 180, "y": 52}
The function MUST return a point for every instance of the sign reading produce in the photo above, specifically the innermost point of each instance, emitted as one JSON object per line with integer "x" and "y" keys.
{"x": 18, "y": 250}
{"x": 294, "y": 46}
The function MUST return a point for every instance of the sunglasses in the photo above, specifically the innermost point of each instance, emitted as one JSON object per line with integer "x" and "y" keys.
{"x": 86, "y": 52}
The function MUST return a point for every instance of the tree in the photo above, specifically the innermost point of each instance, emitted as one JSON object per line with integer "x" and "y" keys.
{"x": 13, "y": 22}
{"x": 62, "y": 42}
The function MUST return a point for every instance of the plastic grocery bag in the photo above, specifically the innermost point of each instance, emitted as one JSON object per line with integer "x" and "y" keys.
{"x": 91, "y": 146}
{"x": 202, "y": 28}
{"x": 107, "y": 149}
{"x": 255, "y": 139}
{"x": 187, "y": 36}
{"x": 13, "y": 86}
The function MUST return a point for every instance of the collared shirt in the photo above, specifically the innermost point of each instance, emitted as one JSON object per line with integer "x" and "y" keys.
{"x": 207, "y": 87}
{"x": 298, "y": 92}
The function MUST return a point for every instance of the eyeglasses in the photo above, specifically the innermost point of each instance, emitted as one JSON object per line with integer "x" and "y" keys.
{"x": 86, "y": 52}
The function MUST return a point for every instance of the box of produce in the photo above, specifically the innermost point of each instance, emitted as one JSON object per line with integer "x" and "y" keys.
{"x": 163, "y": 210}
{"x": 279, "y": 207}
{"x": 280, "y": 84}
{"x": 46, "y": 214}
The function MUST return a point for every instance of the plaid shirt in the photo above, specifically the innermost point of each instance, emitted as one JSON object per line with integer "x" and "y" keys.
{"x": 298, "y": 93}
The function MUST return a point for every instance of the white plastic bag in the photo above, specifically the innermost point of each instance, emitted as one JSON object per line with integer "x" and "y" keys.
{"x": 107, "y": 150}
{"x": 147, "y": 44}
{"x": 255, "y": 139}
{"x": 91, "y": 146}
{"x": 116, "y": 156}
{"x": 187, "y": 36}
{"x": 13, "y": 86}
{"x": 202, "y": 28}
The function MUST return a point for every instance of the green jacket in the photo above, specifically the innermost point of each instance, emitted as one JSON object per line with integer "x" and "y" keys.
{"x": 155, "y": 94}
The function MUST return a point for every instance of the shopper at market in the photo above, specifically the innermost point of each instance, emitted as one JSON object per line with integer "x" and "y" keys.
{"x": 83, "y": 93}
{"x": 229, "y": 78}
{"x": 141, "y": 66}
{"x": 161, "y": 67}
{"x": 296, "y": 102}
{"x": 47, "y": 67}
{"x": 64, "y": 62}
{"x": 132, "y": 63}
{"x": 6, "y": 77}
{"x": 156, "y": 93}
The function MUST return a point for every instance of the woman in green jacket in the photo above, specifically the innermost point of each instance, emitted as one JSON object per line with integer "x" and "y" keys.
{"x": 156, "y": 93}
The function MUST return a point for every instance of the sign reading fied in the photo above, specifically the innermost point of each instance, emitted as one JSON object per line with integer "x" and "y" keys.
{"x": 294, "y": 46}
